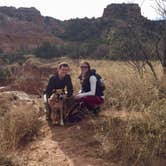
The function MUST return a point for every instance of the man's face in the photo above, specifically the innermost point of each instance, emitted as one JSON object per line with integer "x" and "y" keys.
{"x": 63, "y": 71}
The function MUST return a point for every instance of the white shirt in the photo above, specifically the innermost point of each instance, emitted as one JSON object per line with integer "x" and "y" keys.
{"x": 92, "y": 92}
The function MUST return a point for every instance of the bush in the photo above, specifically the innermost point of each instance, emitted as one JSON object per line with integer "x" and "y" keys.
{"x": 17, "y": 127}
{"x": 4, "y": 74}
{"x": 81, "y": 30}
{"x": 131, "y": 93}
{"x": 47, "y": 51}
{"x": 4, "y": 161}
{"x": 135, "y": 138}
{"x": 11, "y": 58}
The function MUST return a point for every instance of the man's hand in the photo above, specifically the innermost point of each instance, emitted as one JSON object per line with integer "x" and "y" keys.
{"x": 45, "y": 98}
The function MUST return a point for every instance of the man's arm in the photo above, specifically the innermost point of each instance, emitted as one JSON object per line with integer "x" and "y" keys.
{"x": 69, "y": 86}
{"x": 49, "y": 87}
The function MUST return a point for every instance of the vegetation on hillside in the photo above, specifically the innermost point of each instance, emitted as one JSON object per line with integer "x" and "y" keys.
{"x": 136, "y": 139}
{"x": 135, "y": 88}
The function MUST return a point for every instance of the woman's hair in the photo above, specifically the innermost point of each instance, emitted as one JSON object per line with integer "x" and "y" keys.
{"x": 63, "y": 64}
{"x": 83, "y": 81}
{"x": 86, "y": 63}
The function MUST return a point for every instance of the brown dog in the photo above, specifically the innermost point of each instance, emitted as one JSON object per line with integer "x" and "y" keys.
{"x": 58, "y": 106}
{"x": 62, "y": 107}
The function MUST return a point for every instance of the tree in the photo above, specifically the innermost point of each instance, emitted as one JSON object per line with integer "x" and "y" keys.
{"x": 161, "y": 10}
{"x": 47, "y": 51}
{"x": 132, "y": 43}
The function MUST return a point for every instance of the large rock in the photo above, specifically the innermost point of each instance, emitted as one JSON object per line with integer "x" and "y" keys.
{"x": 122, "y": 11}
{"x": 26, "y": 14}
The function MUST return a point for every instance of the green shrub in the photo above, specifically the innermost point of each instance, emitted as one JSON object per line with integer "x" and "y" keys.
{"x": 4, "y": 74}
{"x": 47, "y": 51}
{"x": 11, "y": 58}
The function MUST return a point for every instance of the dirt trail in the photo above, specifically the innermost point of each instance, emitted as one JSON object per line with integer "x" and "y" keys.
{"x": 73, "y": 145}
{"x": 62, "y": 146}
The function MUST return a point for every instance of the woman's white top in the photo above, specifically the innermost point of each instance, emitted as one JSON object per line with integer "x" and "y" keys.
{"x": 93, "y": 83}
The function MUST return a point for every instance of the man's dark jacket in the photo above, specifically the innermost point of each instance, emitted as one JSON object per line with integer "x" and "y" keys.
{"x": 56, "y": 83}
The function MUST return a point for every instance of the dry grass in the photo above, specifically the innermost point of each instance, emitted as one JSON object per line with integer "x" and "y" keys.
{"x": 17, "y": 127}
{"x": 139, "y": 138}
{"x": 136, "y": 138}
{"x": 4, "y": 161}
{"x": 124, "y": 87}
{"x": 18, "y": 123}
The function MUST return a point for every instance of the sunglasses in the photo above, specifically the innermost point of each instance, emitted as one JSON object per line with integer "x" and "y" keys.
{"x": 83, "y": 67}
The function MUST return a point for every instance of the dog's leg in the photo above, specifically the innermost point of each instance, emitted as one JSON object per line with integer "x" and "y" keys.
{"x": 61, "y": 117}
{"x": 53, "y": 117}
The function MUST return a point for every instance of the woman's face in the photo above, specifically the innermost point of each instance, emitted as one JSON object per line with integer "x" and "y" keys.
{"x": 84, "y": 68}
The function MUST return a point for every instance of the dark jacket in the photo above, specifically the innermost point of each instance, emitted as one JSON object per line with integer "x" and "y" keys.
{"x": 85, "y": 84}
{"x": 56, "y": 83}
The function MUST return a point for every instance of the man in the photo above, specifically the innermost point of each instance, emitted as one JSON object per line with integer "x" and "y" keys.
{"x": 60, "y": 80}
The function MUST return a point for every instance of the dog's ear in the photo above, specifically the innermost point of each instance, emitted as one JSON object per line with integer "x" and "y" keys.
{"x": 58, "y": 91}
{"x": 54, "y": 90}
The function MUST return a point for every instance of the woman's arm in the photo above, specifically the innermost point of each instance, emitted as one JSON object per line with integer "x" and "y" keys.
{"x": 93, "y": 82}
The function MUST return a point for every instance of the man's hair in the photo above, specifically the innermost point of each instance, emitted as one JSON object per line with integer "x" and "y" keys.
{"x": 63, "y": 64}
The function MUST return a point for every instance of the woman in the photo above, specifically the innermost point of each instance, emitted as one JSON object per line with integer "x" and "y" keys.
{"x": 91, "y": 92}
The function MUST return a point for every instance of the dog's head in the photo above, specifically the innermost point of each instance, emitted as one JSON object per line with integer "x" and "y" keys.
{"x": 57, "y": 97}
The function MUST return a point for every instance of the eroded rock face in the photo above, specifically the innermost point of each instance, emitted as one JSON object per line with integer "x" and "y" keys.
{"x": 25, "y": 29}
{"x": 26, "y": 14}
{"x": 122, "y": 11}
{"x": 28, "y": 77}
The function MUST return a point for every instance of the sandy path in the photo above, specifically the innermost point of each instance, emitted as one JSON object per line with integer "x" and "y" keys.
{"x": 62, "y": 146}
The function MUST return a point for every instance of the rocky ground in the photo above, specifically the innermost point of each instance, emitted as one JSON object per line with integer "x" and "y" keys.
{"x": 72, "y": 145}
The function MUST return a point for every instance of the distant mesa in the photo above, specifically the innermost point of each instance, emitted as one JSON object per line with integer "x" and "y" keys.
{"x": 121, "y": 11}
{"x": 26, "y": 29}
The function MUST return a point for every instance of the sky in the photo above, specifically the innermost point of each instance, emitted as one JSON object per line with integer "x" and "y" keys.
{"x": 67, "y": 9}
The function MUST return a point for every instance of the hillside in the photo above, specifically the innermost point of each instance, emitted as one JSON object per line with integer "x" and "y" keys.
{"x": 30, "y": 29}
{"x": 130, "y": 129}
{"x": 26, "y": 28}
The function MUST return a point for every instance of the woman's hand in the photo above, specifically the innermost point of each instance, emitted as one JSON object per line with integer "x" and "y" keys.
{"x": 77, "y": 96}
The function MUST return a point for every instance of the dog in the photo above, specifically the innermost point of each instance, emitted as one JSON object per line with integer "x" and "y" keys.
{"x": 57, "y": 103}
{"x": 62, "y": 107}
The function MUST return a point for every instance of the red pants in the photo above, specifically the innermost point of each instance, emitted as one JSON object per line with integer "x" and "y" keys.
{"x": 92, "y": 101}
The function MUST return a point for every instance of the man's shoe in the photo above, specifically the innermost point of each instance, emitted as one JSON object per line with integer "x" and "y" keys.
{"x": 48, "y": 118}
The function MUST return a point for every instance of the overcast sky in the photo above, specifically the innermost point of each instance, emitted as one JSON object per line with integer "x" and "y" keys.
{"x": 66, "y": 9}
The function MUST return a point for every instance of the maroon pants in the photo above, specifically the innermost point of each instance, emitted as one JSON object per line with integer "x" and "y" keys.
{"x": 92, "y": 101}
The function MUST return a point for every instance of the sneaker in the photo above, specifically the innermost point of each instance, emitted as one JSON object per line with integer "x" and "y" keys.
{"x": 81, "y": 106}
{"x": 96, "y": 111}
{"x": 48, "y": 118}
